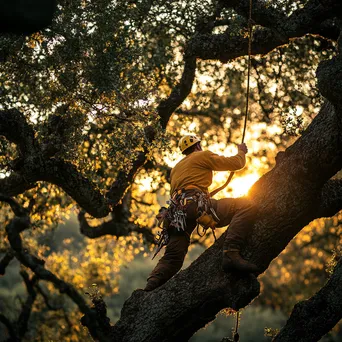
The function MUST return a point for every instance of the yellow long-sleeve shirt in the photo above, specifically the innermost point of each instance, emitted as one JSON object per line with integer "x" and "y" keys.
{"x": 197, "y": 169}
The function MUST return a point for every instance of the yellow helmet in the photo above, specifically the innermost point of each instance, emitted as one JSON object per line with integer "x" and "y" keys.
{"x": 187, "y": 141}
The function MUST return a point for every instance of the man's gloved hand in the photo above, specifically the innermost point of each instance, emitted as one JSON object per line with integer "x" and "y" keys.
{"x": 243, "y": 147}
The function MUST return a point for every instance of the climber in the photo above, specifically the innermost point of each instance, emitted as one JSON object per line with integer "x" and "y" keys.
{"x": 190, "y": 199}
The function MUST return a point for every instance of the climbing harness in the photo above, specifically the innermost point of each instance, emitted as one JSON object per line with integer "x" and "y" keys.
{"x": 206, "y": 216}
{"x": 250, "y": 33}
{"x": 176, "y": 214}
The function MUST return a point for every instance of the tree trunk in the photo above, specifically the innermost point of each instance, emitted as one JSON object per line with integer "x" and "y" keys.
{"x": 288, "y": 197}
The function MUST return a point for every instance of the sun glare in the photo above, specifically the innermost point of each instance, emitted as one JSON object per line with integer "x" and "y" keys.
{"x": 241, "y": 185}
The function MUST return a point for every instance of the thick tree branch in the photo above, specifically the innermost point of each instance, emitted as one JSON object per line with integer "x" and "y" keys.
{"x": 114, "y": 228}
{"x": 329, "y": 75}
{"x": 180, "y": 91}
{"x": 123, "y": 181}
{"x": 165, "y": 110}
{"x": 303, "y": 21}
{"x": 331, "y": 198}
{"x": 225, "y": 47}
{"x": 288, "y": 198}
{"x": 80, "y": 188}
{"x": 261, "y": 14}
{"x": 311, "y": 319}
{"x": 33, "y": 166}
{"x": 15, "y": 184}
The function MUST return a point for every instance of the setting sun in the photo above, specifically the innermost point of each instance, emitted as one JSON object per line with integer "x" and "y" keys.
{"x": 241, "y": 185}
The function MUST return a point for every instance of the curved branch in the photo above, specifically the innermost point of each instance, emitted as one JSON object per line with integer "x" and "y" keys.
{"x": 165, "y": 110}
{"x": 261, "y": 14}
{"x": 303, "y": 21}
{"x": 34, "y": 167}
{"x": 224, "y": 47}
{"x": 80, "y": 188}
{"x": 180, "y": 91}
{"x": 16, "y": 184}
{"x": 113, "y": 228}
{"x": 313, "y": 318}
{"x": 13, "y": 230}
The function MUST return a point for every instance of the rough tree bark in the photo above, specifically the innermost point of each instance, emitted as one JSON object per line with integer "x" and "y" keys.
{"x": 288, "y": 197}
{"x": 298, "y": 190}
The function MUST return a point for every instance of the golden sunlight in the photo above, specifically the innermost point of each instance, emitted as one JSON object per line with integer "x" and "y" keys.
{"x": 145, "y": 183}
{"x": 242, "y": 181}
{"x": 241, "y": 185}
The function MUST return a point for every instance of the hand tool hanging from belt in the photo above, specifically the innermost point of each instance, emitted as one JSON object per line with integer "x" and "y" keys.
{"x": 176, "y": 214}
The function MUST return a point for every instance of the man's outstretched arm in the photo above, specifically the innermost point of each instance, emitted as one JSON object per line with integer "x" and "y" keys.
{"x": 220, "y": 163}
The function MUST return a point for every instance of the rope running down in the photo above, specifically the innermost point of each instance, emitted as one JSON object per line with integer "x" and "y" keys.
{"x": 250, "y": 32}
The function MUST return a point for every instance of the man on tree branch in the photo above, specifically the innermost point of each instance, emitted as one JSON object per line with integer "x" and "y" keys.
{"x": 191, "y": 205}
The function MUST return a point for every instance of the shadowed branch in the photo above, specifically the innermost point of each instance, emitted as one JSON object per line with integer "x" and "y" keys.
{"x": 311, "y": 319}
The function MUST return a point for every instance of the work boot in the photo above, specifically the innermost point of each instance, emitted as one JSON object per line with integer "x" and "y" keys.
{"x": 152, "y": 283}
{"x": 232, "y": 260}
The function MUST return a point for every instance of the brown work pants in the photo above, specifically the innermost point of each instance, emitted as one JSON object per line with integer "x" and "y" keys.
{"x": 239, "y": 213}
